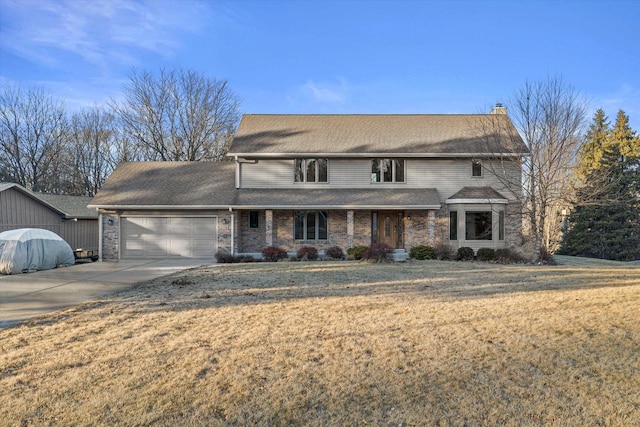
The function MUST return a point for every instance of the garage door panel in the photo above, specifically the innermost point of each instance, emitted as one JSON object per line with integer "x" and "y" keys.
{"x": 156, "y": 237}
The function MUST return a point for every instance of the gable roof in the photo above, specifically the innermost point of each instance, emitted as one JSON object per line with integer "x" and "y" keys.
{"x": 65, "y": 205}
{"x": 264, "y": 135}
{"x": 211, "y": 185}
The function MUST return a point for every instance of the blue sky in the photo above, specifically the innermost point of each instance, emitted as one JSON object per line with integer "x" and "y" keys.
{"x": 331, "y": 56}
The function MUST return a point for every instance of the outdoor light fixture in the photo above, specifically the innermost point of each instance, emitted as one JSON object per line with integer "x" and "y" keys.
{"x": 110, "y": 221}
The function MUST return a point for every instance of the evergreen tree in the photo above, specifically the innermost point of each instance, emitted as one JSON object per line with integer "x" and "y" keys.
{"x": 595, "y": 143}
{"x": 605, "y": 222}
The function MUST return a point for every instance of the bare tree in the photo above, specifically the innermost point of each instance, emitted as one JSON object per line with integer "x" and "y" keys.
{"x": 549, "y": 116}
{"x": 178, "y": 115}
{"x": 91, "y": 151}
{"x": 32, "y": 129}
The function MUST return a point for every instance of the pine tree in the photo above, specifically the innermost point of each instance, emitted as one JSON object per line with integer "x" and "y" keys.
{"x": 593, "y": 148}
{"x": 605, "y": 222}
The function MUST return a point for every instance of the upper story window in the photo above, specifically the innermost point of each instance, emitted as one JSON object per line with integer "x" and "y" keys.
{"x": 310, "y": 170}
{"x": 387, "y": 170}
{"x": 476, "y": 167}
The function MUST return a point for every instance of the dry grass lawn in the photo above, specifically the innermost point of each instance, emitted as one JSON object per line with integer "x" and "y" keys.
{"x": 338, "y": 343}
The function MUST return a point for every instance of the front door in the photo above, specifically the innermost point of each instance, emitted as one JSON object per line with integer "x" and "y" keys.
{"x": 387, "y": 227}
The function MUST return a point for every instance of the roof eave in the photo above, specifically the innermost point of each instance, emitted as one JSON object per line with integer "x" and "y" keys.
{"x": 369, "y": 155}
{"x": 275, "y": 207}
{"x": 477, "y": 201}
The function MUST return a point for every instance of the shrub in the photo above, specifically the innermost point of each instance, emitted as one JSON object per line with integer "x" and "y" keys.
{"x": 357, "y": 252}
{"x": 486, "y": 254}
{"x": 465, "y": 254}
{"x": 378, "y": 252}
{"x": 247, "y": 258}
{"x": 334, "y": 252}
{"x": 422, "y": 252}
{"x": 445, "y": 252}
{"x": 273, "y": 253}
{"x": 508, "y": 256}
{"x": 307, "y": 253}
{"x": 226, "y": 258}
{"x": 546, "y": 257}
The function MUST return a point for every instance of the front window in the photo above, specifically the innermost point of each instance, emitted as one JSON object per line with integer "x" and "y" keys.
{"x": 476, "y": 168}
{"x": 501, "y": 225}
{"x": 478, "y": 225}
{"x": 310, "y": 225}
{"x": 254, "y": 219}
{"x": 310, "y": 170}
{"x": 387, "y": 170}
{"x": 453, "y": 225}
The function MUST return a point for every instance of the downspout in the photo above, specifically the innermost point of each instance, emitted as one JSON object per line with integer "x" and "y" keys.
{"x": 237, "y": 174}
{"x": 100, "y": 231}
{"x": 233, "y": 227}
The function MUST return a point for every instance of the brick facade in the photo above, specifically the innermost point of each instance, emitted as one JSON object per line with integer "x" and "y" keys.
{"x": 110, "y": 236}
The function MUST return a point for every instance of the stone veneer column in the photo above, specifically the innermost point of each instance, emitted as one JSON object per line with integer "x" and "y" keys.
{"x": 350, "y": 228}
{"x": 431, "y": 220}
{"x": 268, "y": 225}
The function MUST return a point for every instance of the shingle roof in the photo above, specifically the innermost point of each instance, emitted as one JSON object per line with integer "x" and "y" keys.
{"x": 201, "y": 185}
{"x": 416, "y": 134}
{"x": 72, "y": 206}
{"x": 68, "y": 206}
{"x": 339, "y": 198}
{"x": 477, "y": 193}
{"x": 169, "y": 184}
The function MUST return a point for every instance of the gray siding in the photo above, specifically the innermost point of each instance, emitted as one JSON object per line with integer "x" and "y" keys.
{"x": 20, "y": 211}
{"x": 446, "y": 175}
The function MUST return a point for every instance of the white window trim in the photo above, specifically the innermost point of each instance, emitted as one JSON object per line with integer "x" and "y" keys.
{"x": 481, "y": 168}
{"x": 304, "y": 169}
{"x": 393, "y": 171}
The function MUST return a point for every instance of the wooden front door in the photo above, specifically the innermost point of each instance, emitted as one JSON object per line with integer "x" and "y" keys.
{"x": 388, "y": 228}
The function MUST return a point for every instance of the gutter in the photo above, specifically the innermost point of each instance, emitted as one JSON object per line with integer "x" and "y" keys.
{"x": 258, "y": 207}
{"x": 370, "y": 155}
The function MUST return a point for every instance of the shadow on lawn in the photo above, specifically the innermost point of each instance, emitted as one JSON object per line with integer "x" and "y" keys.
{"x": 445, "y": 281}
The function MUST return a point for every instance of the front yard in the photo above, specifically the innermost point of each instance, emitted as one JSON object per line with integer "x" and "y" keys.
{"x": 338, "y": 343}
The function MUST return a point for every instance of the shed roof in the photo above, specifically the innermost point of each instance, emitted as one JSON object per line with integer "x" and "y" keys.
{"x": 368, "y": 134}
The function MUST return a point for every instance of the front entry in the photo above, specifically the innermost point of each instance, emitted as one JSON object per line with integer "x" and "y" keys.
{"x": 387, "y": 228}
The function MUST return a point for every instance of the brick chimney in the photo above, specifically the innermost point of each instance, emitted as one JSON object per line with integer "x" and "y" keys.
{"x": 499, "y": 109}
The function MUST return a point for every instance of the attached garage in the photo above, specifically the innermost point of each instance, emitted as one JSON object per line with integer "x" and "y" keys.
{"x": 169, "y": 237}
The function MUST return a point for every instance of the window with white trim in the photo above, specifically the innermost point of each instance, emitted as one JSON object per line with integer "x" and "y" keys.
{"x": 478, "y": 225}
{"x": 310, "y": 225}
{"x": 310, "y": 170}
{"x": 387, "y": 170}
{"x": 476, "y": 168}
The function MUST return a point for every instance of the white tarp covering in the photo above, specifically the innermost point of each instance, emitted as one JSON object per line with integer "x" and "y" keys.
{"x": 28, "y": 249}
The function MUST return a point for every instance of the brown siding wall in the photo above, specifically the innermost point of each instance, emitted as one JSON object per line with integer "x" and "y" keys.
{"x": 20, "y": 211}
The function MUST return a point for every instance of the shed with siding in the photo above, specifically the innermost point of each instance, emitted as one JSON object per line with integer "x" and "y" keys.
{"x": 67, "y": 216}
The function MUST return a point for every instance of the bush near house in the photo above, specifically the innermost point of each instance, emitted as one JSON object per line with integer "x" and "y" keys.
{"x": 307, "y": 253}
{"x": 465, "y": 254}
{"x": 378, "y": 252}
{"x": 226, "y": 258}
{"x": 509, "y": 256}
{"x": 334, "y": 252}
{"x": 422, "y": 252}
{"x": 358, "y": 251}
{"x": 444, "y": 252}
{"x": 273, "y": 253}
{"x": 486, "y": 254}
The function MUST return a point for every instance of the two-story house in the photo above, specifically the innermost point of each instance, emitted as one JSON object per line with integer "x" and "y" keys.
{"x": 323, "y": 180}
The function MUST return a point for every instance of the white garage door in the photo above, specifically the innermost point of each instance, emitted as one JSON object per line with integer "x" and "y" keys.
{"x": 155, "y": 237}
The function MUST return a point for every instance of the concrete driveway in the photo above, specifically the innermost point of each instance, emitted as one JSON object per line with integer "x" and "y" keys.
{"x": 31, "y": 294}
